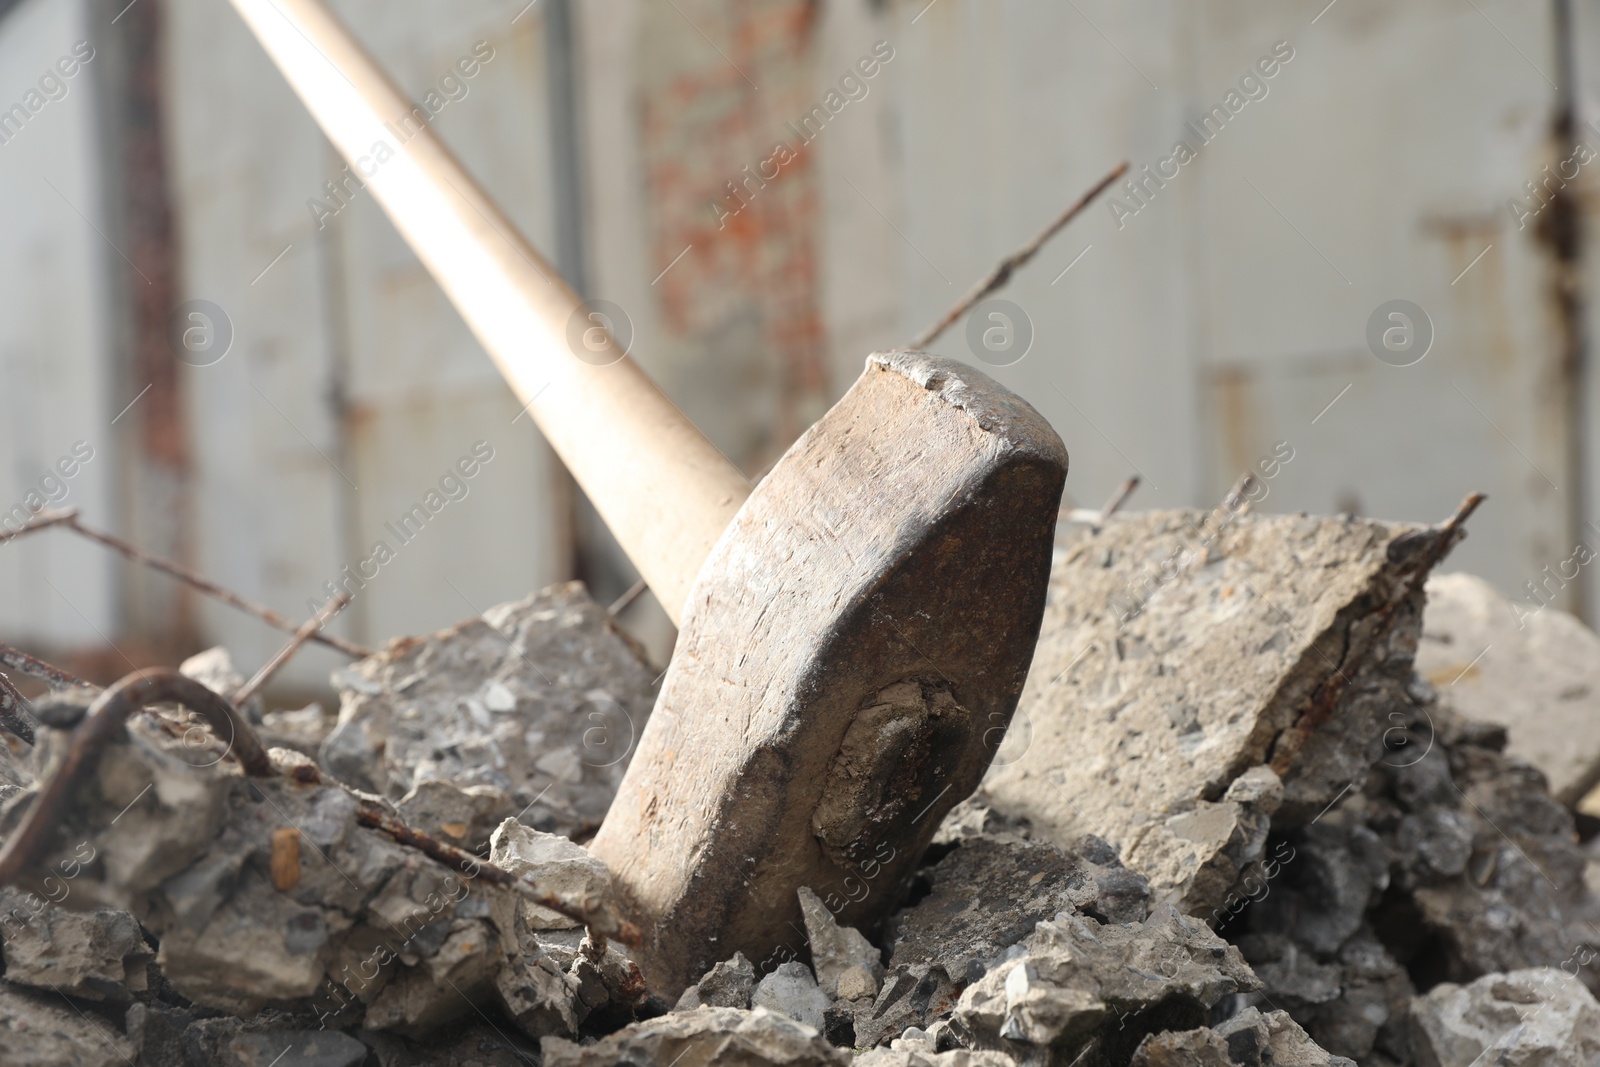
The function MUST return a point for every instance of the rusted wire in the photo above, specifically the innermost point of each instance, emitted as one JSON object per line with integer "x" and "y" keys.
{"x": 210, "y": 588}
{"x": 601, "y": 923}
{"x": 1003, "y": 270}
{"x": 308, "y": 630}
{"x": 1119, "y": 498}
{"x": 41, "y": 520}
{"x": 632, "y": 593}
{"x": 18, "y": 660}
{"x": 1325, "y": 697}
{"x": 103, "y": 723}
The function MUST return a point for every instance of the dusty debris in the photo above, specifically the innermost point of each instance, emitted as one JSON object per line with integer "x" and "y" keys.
{"x": 958, "y": 928}
{"x": 1076, "y": 987}
{"x": 1249, "y": 1039}
{"x": 1182, "y": 648}
{"x": 1533, "y": 669}
{"x": 1538, "y": 1016}
{"x": 704, "y": 1035}
{"x": 907, "y": 1057}
{"x": 728, "y": 984}
{"x": 214, "y": 669}
{"x": 96, "y": 955}
{"x": 791, "y": 990}
{"x": 541, "y": 699}
{"x": 302, "y": 729}
{"x": 272, "y": 890}
{"x": 1451, "y": 862}
{"x": 43, "y": 1029}
{"x": 839, "y": 951}
{"x": 464, "y": 817}
{"x": 555, "y": 863}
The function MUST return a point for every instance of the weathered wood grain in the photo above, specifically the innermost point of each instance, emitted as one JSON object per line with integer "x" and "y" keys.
{"x": 850, "y": 656}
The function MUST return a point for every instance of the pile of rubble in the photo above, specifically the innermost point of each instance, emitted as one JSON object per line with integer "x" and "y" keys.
{"x": 1254, "y": 808}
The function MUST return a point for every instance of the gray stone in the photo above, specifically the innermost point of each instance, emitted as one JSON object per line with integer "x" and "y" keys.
{"x": 791, "y": 990}
{"x": 541, "y": 699}
{"x": 44, "y": 1030}
{"x": 302, "y": 729}
{"x": 97, "y": 954}
{"x": 728, "y": 984}
{"x": 961, "y": 926}
{"x": 1179, "y": 650}
{"x": 1249, "y": 1039}
{"x": 1538, "y": 1016}
{"x": 883, "y": 1057}
{"x": 1453, "y": 862}
{"x": 1534, "y": 670}
{"x": 728, "y": 1037}
{"x": 463, "y": 817}
{"x": 911, "y": 996}
{"x": 1075, "y": 987}
{"x": 556, "y": 865}
{"x": 854, "y": 983}
{"x": 541, "y": 997}
{"x": 214, "y": 669}
{"x": 398, "y": 939}
{"x": 295, "y": 1048}
{"x": 837, "y": 949}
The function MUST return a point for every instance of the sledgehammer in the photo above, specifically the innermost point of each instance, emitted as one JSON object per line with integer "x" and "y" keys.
{"x": 854, "y": 633}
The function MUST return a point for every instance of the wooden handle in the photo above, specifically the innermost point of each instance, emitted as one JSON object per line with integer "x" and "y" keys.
{"x": 663, "y": 489}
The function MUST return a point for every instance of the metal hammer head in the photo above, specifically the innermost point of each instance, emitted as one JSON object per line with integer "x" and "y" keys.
{"x": 850, "y": 656}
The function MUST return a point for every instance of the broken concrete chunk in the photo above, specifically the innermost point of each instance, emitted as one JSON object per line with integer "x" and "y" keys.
{"x": 214, "y": 669}
{"x": 1451, "y": 862}
{"x": 464, "y": 818}
{"x": 295, "y": 1048}
{"x": 725, "y": 1036}
{"x": 856, "y": 982}
{"x": 958, "y": 927}
{"x": 556, "y": 865}
{"x": 791, "y": 990}
{"x": 1536, "y": 1016}
{"x": 97, "y": 955}
{"x": 42, "y": 1029}
{"x": 541, "y": 699}
{"x": 728, "y": 984}
{"x": 1534, "y": 669}
{"x": 1249, "y": 1039}
{"x": 883, "y": 1057}
{"x": 303, "y": 729}
{"x": 1076, "y": 987}
{"x": 267, "y": 890}
{"x": 1181, "y": 648}
{"x": 538, "y": 995}
{"x": 836, "y": 950}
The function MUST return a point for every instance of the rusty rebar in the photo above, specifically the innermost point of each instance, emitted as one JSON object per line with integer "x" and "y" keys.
{"x": 16, "y": 714}
{"x": 41, "y": 520}
{"x": 1119, "y": 498}
{"x": 629, "y": 595}
{"x": 210, "y": 588}
{"x": 1003, "y": 270}
{"x": 57, "y": 677}
{"x": 308, "y": 630}
{"x": 104, "y": 722}
{"x": 601, "y": 923}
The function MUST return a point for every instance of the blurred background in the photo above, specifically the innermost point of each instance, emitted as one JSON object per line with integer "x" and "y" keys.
{"x": 197, "y": 295}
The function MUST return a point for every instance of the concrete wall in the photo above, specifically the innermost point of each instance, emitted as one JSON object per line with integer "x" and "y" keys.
{"x": 1181, "y": 329}
{"x": 353, "y": 387}
{"x": 56, "y": 377}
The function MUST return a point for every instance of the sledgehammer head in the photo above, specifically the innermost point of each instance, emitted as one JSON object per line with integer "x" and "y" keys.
{"x": 849, "y": 659}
